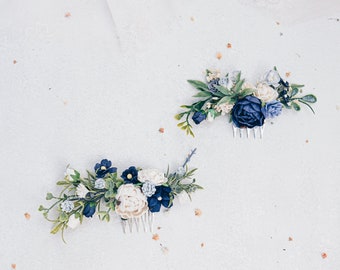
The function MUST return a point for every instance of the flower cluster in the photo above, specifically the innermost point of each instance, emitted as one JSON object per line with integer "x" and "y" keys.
{"x": 247, "y": 105}
{"x": 131, "y": 195}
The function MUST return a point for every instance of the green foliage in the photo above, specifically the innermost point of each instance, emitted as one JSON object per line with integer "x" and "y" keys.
{"x": 175, "y": 181}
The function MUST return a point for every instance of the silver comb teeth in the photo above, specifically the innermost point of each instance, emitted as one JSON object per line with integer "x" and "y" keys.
{"x": 144, "y": 222}
{"x": 249, "y": 132}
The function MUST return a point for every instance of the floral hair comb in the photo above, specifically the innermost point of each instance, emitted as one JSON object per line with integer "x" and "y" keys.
{"x": 247, "y": 105}
{"x": 135, "y": 196}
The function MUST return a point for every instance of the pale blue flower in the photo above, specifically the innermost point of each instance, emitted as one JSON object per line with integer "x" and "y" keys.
{"x": 67, "y": 206}
{"x": 99, "y": 183}
{"x": 148, "y": 188}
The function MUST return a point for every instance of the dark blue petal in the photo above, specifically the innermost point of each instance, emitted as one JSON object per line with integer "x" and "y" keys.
{"x": 154, "y": 204}
{"x": 89, "y": 209}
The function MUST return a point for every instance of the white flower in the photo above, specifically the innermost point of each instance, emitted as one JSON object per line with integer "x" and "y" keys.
{"x": 214, "y": 74}
{"x": 224, "y": 108}
{"x": 131, "y": 202}
{"x": 264, "y": 92}
{"x": 73, "y": 222}
{"x": 152, "y": 175}
{"x": 81, "y": 191}
{"x": 99, "y": 183}
{"x": 67, "y": 206}
{"x": 148, "y": 189}
{"x": 272, "y": 77}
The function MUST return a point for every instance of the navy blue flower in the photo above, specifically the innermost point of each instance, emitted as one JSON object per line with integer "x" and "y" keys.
{"x": 162, "y": 196}
{"x": 211, "y": 85}
{"x": 198, "y": 117}
{"x": 272, "y": 109}
{"x": 103, "y": 168}
{"x": 130, "y": 175}
{"x": 89, "y": 209}
{"x": 247, "y": 112}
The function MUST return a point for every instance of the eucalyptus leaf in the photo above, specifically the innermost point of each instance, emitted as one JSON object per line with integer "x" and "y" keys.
{"x": 296, "y": 106}
{"x": 49, "y": 196}
{"x": 63, "y": 217}
{"x": 296, "y": 85}
{"x": 309, "y": 98}
{"x": 294, "y": 91}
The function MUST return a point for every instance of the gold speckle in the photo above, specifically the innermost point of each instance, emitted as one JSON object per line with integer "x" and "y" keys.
{"x": 27, "y": 216}
{"x": 307, "y": 141}
{"x": 14, "y": 266}
{"x": 277, "y": 23}
{"x": 65, "y": 102}
{"x": 158, "y": 228}
{"x": 192, "y": 19}
{"x": 155, "y": 237}
{"x": 324, "y": 255}
{"x": 161, "y": 130}
{"x": 202, "y": 244}
{"x": 14, "y": 61}
{"x": 337, "y": 107}
{"x": 218, "y": 55}
{"x": 287, "y": 74}
{"x": 229, "y": 46}
{"x": 198, "y": 212}
{"x": 290, "y": 238}
{"x": 67, "y": 14}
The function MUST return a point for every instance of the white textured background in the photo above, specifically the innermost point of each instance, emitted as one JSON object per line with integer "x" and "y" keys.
{"x": 92, "y": 86}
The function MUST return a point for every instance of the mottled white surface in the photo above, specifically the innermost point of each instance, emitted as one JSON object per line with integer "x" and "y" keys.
{"x": 93, "y": 86}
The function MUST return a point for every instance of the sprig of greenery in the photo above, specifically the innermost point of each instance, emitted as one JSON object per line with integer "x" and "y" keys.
{"x": 287, "y": 96}
{"x": 175, "y": 181}
{"x": 69, "y": 184}
{"x": 221, "y": 96}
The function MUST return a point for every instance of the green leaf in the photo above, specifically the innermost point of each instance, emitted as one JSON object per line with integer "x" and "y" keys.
{"x": 56, "y": 228}
{"x": 294, "y": 91}
{"x": 202, "y": 94}
{"x": 63, "y": 217}
{"x": 49, "y": 196}
{"x": 41, "y": 208}
{"x": 245, "y": 92}
{"x": 238, "y": 86}
{"x": 223, "y": 90}
{"x": 224, "y": 100}
{"x": 201, "y": 86}
{"x": 309, "y": 98}
{"x": 297, "y": 85}
{"x": 61, "y": 183}
{"x": 180, "y": 124}
{"x": 296, "y": 106}
{"x": 198, "y": 106}
{"x": 178, "y": 116}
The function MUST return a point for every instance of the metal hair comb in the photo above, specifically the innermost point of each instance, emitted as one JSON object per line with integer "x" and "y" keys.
{"x": 249, "y": 132}
{"x": 144, "y": 222}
